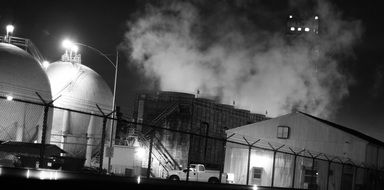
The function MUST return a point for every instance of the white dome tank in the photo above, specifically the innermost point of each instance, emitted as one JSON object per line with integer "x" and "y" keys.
{"x": 80, "y": 88}
{"x": 21, "y": 76}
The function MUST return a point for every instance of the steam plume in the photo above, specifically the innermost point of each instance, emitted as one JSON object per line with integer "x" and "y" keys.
{"x": 228, "y": 54}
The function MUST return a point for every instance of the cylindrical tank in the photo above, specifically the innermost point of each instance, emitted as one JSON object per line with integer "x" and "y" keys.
{"x": 78, "y": 88}
{"x": 21, "y": 76}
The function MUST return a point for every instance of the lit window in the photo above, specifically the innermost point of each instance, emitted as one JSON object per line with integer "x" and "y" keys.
{"x": 282, "y": 132}
{"x": 256, "y": 171}
{"x": 292, "y": 28}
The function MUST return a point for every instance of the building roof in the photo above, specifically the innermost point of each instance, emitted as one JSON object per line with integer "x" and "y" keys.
{"x": 32, "y": 149}
{"x": 346, "y": 129}
{"x": 289, "y": 116}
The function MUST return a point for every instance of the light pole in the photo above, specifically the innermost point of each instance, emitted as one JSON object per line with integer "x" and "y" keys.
{"x": 73, "y": 46}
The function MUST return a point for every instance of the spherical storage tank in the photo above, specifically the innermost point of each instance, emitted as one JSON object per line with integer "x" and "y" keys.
{"x": 78, "y": 88}
{"x": 21, "y": 76}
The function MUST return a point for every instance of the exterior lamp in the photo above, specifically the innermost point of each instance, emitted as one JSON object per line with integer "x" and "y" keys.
{"x": 67, "y": 44}
{"x": 10, "y": 28}
{"x": 45, "y": 64}
{"x": 9, "y": 98}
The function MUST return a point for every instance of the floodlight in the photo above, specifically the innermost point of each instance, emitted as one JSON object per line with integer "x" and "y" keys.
{"x": 10, "y": 28}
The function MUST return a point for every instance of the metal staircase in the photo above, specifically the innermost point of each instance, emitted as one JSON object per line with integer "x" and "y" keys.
{"x": 159, "y": 152}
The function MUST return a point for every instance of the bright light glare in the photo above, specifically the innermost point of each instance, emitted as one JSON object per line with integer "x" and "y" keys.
{"x": 230, "y": 177}
{"x": 138, "y": 180}
{"x": 263, "y": 161}
{"x": 292, "y": 28}
{"x": 10, "y": 28}
{"x": 140, "y": 152}
{"x": 298, "y": 29}
{"x": 75, "y": 48}
{"x": 290, "y": 16}
{"x": 48, "y": 175}
{"x": 306, "y": 29}
{"x": 28, "y": 174}
{"x": 9, "y": 98}
{"x": 316, "y": 17}
{"x": 45, "y": 64}
{"x": 254, "y": 187}
{"x": 67, "y": 44}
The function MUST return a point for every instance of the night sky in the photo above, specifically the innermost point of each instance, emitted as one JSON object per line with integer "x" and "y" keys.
{"x": 105, "y": 24}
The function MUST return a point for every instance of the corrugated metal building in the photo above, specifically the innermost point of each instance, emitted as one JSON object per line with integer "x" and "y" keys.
{"x": 305, "y": 152}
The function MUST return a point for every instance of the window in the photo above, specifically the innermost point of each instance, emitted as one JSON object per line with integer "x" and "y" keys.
{"x": 201, "y": 168}
{"x": 310, "y": 178}
{"x": 282, "y": 132}
{"x": 256, "y": 171}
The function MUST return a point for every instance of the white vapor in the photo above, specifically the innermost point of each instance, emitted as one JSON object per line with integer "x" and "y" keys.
{"x": 226, "y": 55}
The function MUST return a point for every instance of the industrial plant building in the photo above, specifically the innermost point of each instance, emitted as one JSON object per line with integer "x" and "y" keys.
{"x": 301, "y": 151}
{"x": 189, "y": 114}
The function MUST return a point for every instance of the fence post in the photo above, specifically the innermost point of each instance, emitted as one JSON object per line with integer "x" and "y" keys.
{"x": 329, "y": 168}
{"x": 273, "y": 167}
{"x": 249, "y": 156}
{"x": 294, "y": 165}
{"x": 294, "y": 171}
{"x": 249, "y": 163}
{"x": 43, "y": 136}
{"x": 105, "y": 117}
{"x": 225, "y": 149}
{"x": 189, "y": 156}
{"x": 45, "y": 126}
{"x": 274, "y": 159}
{"x": 150, "y": 154}
{"x": 102, "y": 144}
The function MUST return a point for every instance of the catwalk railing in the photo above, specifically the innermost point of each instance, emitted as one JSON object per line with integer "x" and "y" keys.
{"x": 83, "y": 135}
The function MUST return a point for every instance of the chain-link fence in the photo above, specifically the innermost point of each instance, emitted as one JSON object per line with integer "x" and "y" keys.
{"x": 40, "y": 134}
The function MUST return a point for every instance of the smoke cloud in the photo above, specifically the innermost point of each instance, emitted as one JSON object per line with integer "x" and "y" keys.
{"x": 240, "y": 52}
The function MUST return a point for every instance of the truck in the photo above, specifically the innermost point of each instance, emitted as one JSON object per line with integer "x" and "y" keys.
{"x": 197, "y": 172}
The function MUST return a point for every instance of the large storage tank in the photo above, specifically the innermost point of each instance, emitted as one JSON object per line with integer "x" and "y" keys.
{"x": 21, "y": 76}
{"x": 80, "y": 88}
